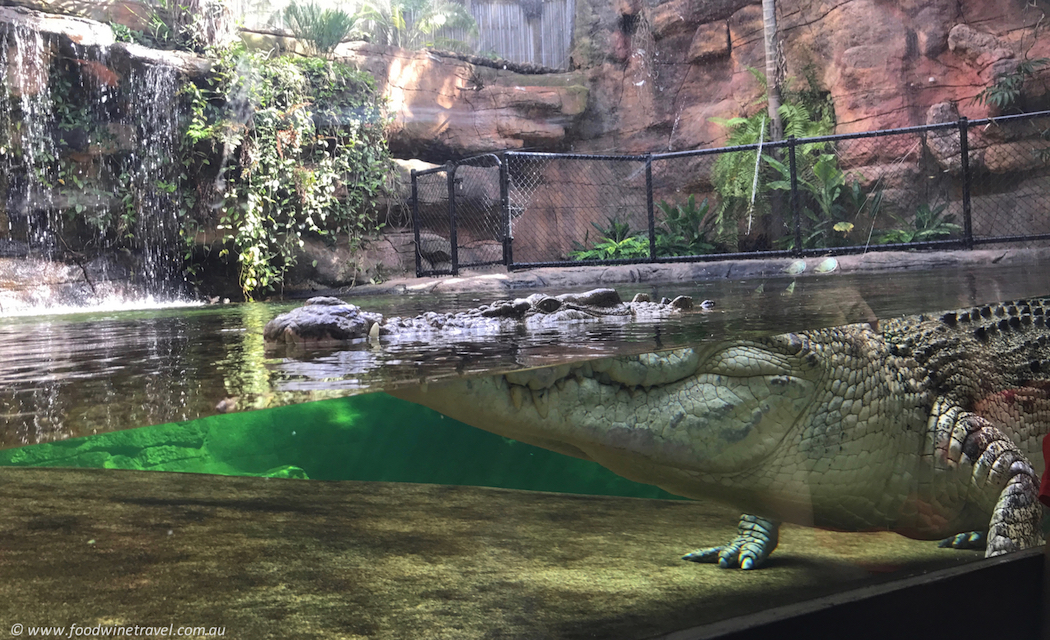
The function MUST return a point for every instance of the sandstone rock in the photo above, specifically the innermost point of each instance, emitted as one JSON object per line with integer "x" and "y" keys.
{"x": 126, "y": 55}
{"x": 978, "y": 48}
{"x": 931, "y": 25}
{"x": 944, "y": 145}
{"x": 400, "y": 185}
{"x": 651, "y": 78}
{"x": 85, "y": 33}
{"x": 129, "y": 13}
{"x": 683, "y": 16}
{"x": 710, "y": 41}
{"x": 1014, "y": 210}
{"x": 1010, "y": 157}
{"x": 435, "y": 248}
{"x": 28, "y": 282}
{"x": 446, "y": 107}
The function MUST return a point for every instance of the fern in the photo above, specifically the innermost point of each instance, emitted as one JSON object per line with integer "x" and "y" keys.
{"x": 734, "y": 173}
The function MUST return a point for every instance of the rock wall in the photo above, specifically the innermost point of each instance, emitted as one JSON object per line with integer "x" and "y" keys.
{"x": 649, "y": 78}
{"x": 654, "y": 75}
{"x": 444, "y": 107}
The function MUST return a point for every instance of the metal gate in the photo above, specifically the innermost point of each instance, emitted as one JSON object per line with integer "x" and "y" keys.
{"x": 457, "y": 216}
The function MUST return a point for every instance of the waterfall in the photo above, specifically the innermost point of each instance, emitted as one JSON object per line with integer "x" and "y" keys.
{"x": 154, "y": 170}
{"x": 90, "y": 164}
{"x": 29, "y": 147}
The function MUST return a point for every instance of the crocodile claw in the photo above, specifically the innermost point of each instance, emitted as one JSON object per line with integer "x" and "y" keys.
{"x": 756, "y": 539}
{"x": 968, "y": 540}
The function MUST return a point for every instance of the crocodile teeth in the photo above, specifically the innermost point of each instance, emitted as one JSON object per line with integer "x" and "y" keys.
{"x": 542, "y": 402}
{"x": 517, "y": 396}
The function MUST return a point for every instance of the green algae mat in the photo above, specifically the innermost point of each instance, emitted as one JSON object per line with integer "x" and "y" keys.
{"x": 286, "y": 558}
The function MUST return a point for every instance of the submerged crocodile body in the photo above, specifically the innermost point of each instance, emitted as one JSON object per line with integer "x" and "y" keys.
{"x": 927, "y": 426}
{"x": 326, "y": 320}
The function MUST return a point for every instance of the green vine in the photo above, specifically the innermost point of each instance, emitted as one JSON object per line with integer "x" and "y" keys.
{"x": 307, "y": 157}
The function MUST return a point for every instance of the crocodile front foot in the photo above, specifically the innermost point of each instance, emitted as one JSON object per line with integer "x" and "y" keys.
{"x": 967, "y": 540}
{"x": 756, "y": 539}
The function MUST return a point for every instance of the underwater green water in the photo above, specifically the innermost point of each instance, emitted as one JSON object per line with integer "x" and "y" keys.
{"x": 371, "y": 437}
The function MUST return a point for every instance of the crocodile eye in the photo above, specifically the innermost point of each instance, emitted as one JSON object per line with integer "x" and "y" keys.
{"x": 549, "y": 305}
{"x": 745, "y": 361}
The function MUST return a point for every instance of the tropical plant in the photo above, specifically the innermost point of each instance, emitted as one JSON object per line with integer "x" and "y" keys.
{"x": 688, "y": 229}
{"x": 830, "y": 202}
{"x": 191, "y": 25}
{"x": 320, "y": 29}
{"x": 306, "y": 136}
{"x": 616, "y": 242}
{"x": 804, "y": 114}
{"x": 1007, "y": 92}
{"x": 930, "y": 224}
{"x": 387, "y": 22}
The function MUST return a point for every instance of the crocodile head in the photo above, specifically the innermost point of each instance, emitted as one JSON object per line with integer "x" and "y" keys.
{"x": 325, "y": 321}
{"x": 685, "y": 420}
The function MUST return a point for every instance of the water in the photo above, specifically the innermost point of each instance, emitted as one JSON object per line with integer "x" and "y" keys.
{"x": 369, "y": 437}
{"x": 87, "y": 176}
{"x": 382, "y": 557}
{"x": 30, "y": 170}
{"x": 153, "y": 114}
{"x": 79, "y": 374}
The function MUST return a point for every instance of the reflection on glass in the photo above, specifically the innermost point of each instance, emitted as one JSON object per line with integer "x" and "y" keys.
{"x": 918, "y": 425}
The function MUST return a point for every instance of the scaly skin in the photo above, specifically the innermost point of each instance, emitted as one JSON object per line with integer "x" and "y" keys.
{"x": 926, "y": 428}
{"x": 325, "y": 321}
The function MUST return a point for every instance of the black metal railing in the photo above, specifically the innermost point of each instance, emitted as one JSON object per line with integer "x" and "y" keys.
{"x": 957, "y": 184}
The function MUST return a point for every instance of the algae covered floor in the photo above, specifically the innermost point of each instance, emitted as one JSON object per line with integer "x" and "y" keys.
{"x": 280, "y": 558}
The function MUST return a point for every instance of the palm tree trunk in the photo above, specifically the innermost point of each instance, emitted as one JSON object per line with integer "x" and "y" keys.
{"x": 769, "y": 21}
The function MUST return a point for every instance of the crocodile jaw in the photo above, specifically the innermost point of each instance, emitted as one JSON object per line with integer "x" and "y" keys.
{"x": 669, "y": 419}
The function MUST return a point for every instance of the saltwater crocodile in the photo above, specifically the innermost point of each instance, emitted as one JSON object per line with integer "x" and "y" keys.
{"x": 327, "y": 320}
{"x": 924, "y": 426}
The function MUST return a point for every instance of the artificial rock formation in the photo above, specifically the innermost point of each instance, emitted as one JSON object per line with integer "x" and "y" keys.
{"x": 445, "y": 107}
{"x": 649, "y": 79}
{"x": 655, "y": 78}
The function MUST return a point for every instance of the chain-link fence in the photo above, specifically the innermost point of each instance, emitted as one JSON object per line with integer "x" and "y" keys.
{"x": 956, "y": 184}
{"x": 562, "y": 206}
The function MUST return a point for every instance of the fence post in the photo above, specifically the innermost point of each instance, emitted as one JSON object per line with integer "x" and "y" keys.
{"x": 415, "y": 223}
{"x": 649, "y": 206}
{"x": 796, "y": 215}
{"x": 964, "y": 151}
{"x": 450, "y": 172}
{"x": 504, "y": 203}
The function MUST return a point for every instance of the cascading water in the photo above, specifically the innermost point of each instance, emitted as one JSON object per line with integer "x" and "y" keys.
{"x": 89, "y": 159}
{"x": 154, "y": 173}
{"x": 29, "y": 151}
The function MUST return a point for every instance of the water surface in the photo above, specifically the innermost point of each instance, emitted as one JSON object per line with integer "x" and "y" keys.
{"x": 79, "y": 374}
